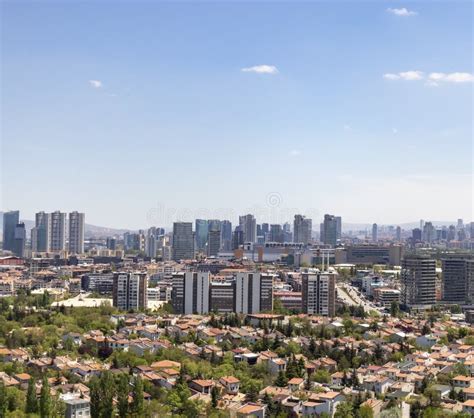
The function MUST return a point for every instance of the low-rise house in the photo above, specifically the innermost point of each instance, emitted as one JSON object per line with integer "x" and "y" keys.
{"x": 201, "y": 386}
{"x": 251, "y": 410}
{"x": 295, "y": 384}
{"x": 276, "y": 365}
{"x": 463, "y": 382}
{"x": 231, "y": 384}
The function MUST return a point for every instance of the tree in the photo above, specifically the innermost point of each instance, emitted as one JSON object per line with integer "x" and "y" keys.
{"x": 107, "y": 392}
{"x": 214, "y": 396}
{"x": 122, "y": 395}
{"x": 394, "y": 308}
{"x": 365, "y": 411}
{"x": 137, "y": 404}
{"x": 3, "y": 400}
{"x": 344, "y": 410}
{"x": 281, "y": 380}
{"x": 94, "y": 388}
{"x": 45, "y": 399}
{"x": 31, "y": 399}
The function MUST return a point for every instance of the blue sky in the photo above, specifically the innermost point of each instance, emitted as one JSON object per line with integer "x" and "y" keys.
{"x": 141, "y": 113}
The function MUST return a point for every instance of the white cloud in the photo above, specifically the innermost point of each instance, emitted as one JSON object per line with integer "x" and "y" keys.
{"x": 405, "y": 75}
{"x": 402, "y": 12}
{"x": 261, "y": 69}
{"x": 97, "y": 84}
{"x": 295, "y": 152}
{"x": 394, "y": 131}
{"x": 452, "y": 77}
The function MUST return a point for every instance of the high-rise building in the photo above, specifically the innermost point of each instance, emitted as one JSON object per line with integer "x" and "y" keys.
{"x": 20, "y": 240}
{"x": 339, "y": 227}
{"x": 398, "y": 235}
{"x": 319, "y": 293}
{"x": 329, "y": 230}
{"x": 375, "y": 234}
{"x": 276, "y": 233}
{"x": 302, "y": 227}
{"x": 248, "y": 225}
{"x": 214, "y": 242}
{"x": 226, "y": 235}
{"x": 237, "y": 238}
{"x": 111, "y": 243}
{"x": 202, "y": 231}
{"x": 183, "y": 241}
{"x": 418, "y": 282}
{"x": 41, "y": 233}
{"x": 253, "y": 292}
{"x": 10, "y": 221}
{"x": 130, "y": 291}
{"x": 76, "y": 232}
{"x": 457, "y": 283}
{"x": 222, "y": 296}
{"x": 416, "y": 235}
{"x": 190, "y": 293}
{"x": 429, "y": 233}
{"x": 58, "y": 231}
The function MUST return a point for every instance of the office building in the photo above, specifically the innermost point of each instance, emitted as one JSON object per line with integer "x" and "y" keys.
{"x": 276, "y": 233}
{"x": 253, "y": 292}
{"x": 248, "y": 226}
{"x": 429, "y": 233}
{"x": 370, "y": 254}
{"x": 183, "y": 241}
{"x": 111, "y": 243}
{"x": 319, "y": 293}
{"x": 457, "y": 279}
{"x": 130, "y": 291}
{"x": 41, "y": 233}
{"x": 302, "y": 229}
{"x": 10, "y": 221}
{"x": 222, "y": 296}
{"x": 329, "y": 230}
{"x": 416, "y": 235}
{"x": 398, "y": 234}
{"x": 19, "y": 241}
{"x": 226, "y": 235}
{"x": 202, "y": 230}
{"x": 237, "y": 238}
{"x": 375, "y": 235}
{"x": 58, "y": 231}
{"x": 76, "y": 233}
{"x": 338, "y": 227}
{"x": 102, "y": 283}
{"x": 214, "y": 242}
{"x": 190, "y": 293}
{"x": 418, "y": 282}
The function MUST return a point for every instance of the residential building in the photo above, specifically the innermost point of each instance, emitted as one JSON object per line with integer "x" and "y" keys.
{"x": 76, "y": 232}
{"x": 319, "y": 293}
{"x": 130, "y": 291}
{"x": 418, "y": 282}
{"x": 41, "y": 233}
{"x": 457, "y": 278}
{"x": 58, "y": 231}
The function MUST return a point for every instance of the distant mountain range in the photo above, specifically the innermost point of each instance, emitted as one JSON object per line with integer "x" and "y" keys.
{"x": 94, "y": 231}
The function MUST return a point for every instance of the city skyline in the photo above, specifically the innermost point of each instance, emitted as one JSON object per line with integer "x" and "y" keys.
{"x": 191, "y": 105}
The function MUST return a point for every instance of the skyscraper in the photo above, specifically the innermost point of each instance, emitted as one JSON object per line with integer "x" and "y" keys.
{"x": 276, "y": 233}
{"x": 130, "y": 291}
{"x": 76, "y": 233}
{"x": 226, "y": 235}
{"x": 428, "y": 232}
{"x": 302, "y": 229}
{"x": 319, "y": 293}
{"x": 329, "y": 230}
{"x": 202, "y": 230}
{"x": 214, "y": 242}
{"x": 20, "y": 240}
{"x": 183, "y": 241}
{"x": 58, "y": 231}
{"x": 253, "y": 292}
{"x": 398, "y": 236}
{"x": 10, "y": 221}
{"x": 41, "y": 233}
{"x": 248, "y": 226}
{"x": 375, "y": 235}
{"x": 418, "y": 281}
{"x": 457, "y": 283}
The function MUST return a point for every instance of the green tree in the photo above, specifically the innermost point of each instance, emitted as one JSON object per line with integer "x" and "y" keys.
{"x": 3, "y": 400}
{"x": 344, "y": 410}
{"x": 31, "y": 399}
{"x": 281, "y": 380}
{"x": 107, "y": 393}
{"x": 214, "y": 396}
{"x": 137, "y": 404}
{"x": 94, "y": 387}
{"x": 46, "y": 404}
{"x": 122, "y": 395}
{"x": 365, "y": 411}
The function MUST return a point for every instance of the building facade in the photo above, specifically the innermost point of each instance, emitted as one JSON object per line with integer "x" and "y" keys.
{"x": 319, "y": 293}
{"x": 130, "y": 291}
{"x": 418, "y": 282}
{"x": 76, "y": 233}
{"x": 183, "y": 241}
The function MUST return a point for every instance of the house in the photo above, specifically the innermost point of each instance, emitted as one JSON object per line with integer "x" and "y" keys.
{"x": 375, "y": 405}
{"x": 312, "y": 408}
{"x": 463, "y": 382}
{"x": 231, "y": 384}
{"x": 275, "y": 365}
{"x": 297, "y": 383}
{"x": 468, "y": 407}
{"x": 23, "y": 379}
{"x": 165, "y": 364}
{"x": 201, "y": 386}
{"x": 8, "y": 380}
{"x": 251, "y": 410}
{"x": 77, "y": 408}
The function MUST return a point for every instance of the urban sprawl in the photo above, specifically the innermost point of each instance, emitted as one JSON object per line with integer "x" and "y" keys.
{"x": 209, "y": 319}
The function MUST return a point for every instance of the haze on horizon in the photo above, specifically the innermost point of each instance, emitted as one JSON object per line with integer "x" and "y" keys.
{"x": 139, "y": 115}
